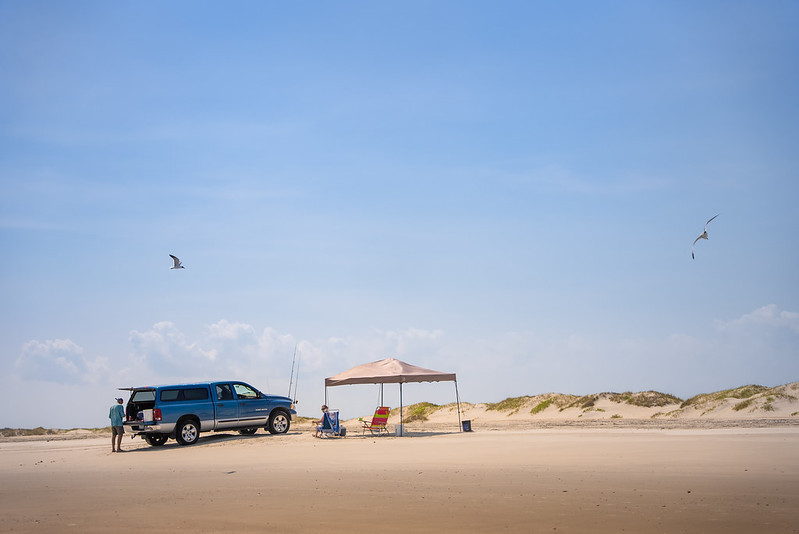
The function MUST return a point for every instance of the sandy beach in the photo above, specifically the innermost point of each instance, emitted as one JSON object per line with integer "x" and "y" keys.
{"x": 564, "y": 479}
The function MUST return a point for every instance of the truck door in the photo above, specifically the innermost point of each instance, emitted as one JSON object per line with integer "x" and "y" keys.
{"x": 253, "y": 407}
{"x": 227, "y": 408}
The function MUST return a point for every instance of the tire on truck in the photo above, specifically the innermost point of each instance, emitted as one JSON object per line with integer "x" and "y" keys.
{"x": 279, "y": 422}
{"x": 155, "y": 440}
{"x": 187, "y": 431}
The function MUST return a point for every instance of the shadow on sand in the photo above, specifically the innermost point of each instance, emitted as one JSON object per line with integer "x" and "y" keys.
{"x": 208, "y": 439}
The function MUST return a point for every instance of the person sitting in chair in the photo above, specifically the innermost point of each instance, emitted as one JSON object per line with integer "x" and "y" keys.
{"x": 320, "y": 422}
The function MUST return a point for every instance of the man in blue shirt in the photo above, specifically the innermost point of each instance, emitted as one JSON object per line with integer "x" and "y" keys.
{"x": 116, "y": 414}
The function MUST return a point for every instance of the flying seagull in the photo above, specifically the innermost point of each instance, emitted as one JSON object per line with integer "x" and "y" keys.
{"x": 703, "y": 236}
{"x": 179, "y": 266}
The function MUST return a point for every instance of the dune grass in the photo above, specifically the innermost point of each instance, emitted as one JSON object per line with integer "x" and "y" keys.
{"x": 585, "y": 402}
{"x": 743, "y": 392}
{"x": 541, "y": 406}
{"x": 302, "y": 419}
{"x": 749, "y": 396}
{"x": 645, "y": 399}
{"x": 40, "y": 431}
{"x": 419, "y": 411}
{"x": 511, "y": 404}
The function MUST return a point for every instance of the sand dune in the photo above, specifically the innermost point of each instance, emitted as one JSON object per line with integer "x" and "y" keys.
{"x": 746, "y": 406}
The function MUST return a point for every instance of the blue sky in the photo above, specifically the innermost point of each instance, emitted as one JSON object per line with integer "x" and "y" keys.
{"x": 508, "y": 191}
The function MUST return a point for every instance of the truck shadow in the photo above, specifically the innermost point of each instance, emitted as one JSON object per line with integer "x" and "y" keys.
{"x": 211, "y": 439}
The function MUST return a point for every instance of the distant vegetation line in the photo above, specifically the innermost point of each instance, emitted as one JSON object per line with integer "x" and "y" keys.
{"x": 40, "y": 431}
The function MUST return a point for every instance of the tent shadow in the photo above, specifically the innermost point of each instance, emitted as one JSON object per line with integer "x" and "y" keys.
{"x": 407, "y": 434}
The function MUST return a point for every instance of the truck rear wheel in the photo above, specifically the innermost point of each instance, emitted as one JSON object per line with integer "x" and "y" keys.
{"x": 187, "y": 432}
{"x": 155, "y": 440}
{"x": 279, "y": 423}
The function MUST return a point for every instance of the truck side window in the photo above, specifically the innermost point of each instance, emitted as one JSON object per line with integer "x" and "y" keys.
{"x": 170, "y": 395}
{"x": 223, "y": 392}
{"x": 194, "y": 394}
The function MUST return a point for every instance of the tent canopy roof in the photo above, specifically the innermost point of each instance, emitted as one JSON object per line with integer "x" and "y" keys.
{"x": 387, "y": 371}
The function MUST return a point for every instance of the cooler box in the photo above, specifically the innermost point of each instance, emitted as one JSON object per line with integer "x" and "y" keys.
{"x": 145, "y": 415}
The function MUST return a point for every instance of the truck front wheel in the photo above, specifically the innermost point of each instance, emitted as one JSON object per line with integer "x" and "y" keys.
{"x": 279, "y": 423}
{"x": 187, "y": 432}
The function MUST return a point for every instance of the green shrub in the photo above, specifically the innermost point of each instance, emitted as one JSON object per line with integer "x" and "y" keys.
{"x": 419, "y": 412}
{"x": 541, "y": 406}
{"x": 743, "y": 392}
{"x": 645, "y": 399}
{"x": 38, "y": 431}
{"x": 509, "y": 404}
{"x": 584, "y": 402}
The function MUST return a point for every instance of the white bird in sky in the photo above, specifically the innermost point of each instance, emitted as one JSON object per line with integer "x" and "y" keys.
{"x": 703, "y": 236}
{"x": 177, "y": 265}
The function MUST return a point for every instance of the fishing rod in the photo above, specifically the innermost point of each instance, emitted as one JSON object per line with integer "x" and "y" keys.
{"x": 296, "y": 382}
{"x": 291, "y": 380}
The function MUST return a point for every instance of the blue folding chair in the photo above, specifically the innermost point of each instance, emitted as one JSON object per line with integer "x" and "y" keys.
{"x": 330, "y": 424}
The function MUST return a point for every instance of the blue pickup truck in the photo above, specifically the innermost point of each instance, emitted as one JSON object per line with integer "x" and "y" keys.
{"x": 182, "y": 411}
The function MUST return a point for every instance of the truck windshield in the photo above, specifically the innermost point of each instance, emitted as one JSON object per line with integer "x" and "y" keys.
{"x": 244, "y": 391}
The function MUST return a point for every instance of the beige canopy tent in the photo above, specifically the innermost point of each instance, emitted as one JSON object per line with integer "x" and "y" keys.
{"x": 391, "y": 371}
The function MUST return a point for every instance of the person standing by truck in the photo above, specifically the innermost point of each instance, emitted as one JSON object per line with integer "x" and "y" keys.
{"x": 116, "y": 414}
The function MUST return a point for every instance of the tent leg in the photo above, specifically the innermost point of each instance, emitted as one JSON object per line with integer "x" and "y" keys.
{"x": 458, "y": 401}
{"x": 326, "y": 396}
{"x": 401, "y": 417}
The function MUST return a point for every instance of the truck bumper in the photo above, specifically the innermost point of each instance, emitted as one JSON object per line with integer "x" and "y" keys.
{"x": 138, "y": 427}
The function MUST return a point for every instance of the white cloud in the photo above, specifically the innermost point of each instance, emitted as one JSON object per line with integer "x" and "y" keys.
{"x": 405, "y": 342}
{"x": 166, "y": 352}
{"x": 227, "y": 330}
{"x": 59, "y": 361}
{"x": 769, "y": 316}
{"x": 224, "y": 350}
{"x": 237, "y": 350}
